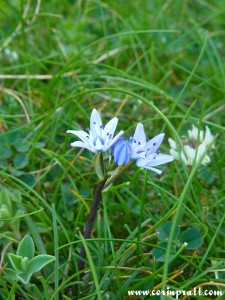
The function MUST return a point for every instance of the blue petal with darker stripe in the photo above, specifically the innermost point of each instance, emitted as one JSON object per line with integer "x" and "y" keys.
{"x": 121, "y": 152}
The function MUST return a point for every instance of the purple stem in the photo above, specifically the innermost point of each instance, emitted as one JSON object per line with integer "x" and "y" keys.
{"x": 90, "y": 221}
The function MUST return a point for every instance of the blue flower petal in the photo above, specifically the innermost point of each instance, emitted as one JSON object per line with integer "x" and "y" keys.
{"x": 121, "y": 152}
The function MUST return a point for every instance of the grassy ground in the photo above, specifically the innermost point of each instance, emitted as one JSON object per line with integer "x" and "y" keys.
{"x": 156, "y": 62}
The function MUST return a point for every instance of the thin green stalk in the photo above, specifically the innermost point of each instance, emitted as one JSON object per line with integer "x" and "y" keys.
{"x": 176, "y": 216}
{"x": 56, "y": 251}
{"x": 35, "y": 234}
{"x": 111, "y": 244}
{"x": 141, "y": 213}
{"x": 92, "y": 266}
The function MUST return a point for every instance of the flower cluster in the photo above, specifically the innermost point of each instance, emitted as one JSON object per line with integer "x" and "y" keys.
{"x": 195, "y": 145}
{"x": 100, "y": 138}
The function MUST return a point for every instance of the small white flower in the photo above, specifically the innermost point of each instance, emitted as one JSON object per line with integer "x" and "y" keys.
{"x": 194, "y": 134}
{"x": 208, "y": 138}
{"x": 195, "y": 146}
{"x": 10, "y": 55}
{"x": 99, "y": 138}
{"x": 14, "y": 55}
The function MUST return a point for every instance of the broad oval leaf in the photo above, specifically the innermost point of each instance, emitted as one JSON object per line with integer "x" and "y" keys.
{"x": 26, "y": 247}
{"x": 39, "y": 262}
{"x": 20, "y": 161}
{"x": 22, "y": 145}
{"x": 163, "y": 231}
{"x": 5, "y": 151}
{"x": 193, "y": 238}
{"x": 29, "y": 179}
{"x": 159, "y": 254}
{"x": 15, "y": 261}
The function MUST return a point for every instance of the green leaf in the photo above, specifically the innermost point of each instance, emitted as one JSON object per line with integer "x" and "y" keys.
{"x": 4, "y": 212}
{"x": 24, "y": 277}
{"x": 42, "y": 227}
{"x": 39, "y": 262}
{"x": 99, "y": 165}
{"x": 207, "y": 175}
{"x": 19, "y": 213}
{"x": 3, "y": 163}
{"x": 159, "y": 254}
{"x": 39, "y": 145}
{"x": 10, "y": 273}
{"x": 26, "y": 247}
{"x": 22, "y": 145}
{"x": 5, "y": 151}
{"x": 20, "y": 161}
{"x": 24, "y": 263}
{"x": 14, "y": 136}
{"x": 163, "y": 231}
{"x": 14, "y": 171}
{"x": 193, "y": 238}
{"x": 5, "y": 198}
{"x": 17, "y": 196}
{"x": 29, "y": 179}
{"x": 15, "y": 261}
{"x": 67, "y": 195}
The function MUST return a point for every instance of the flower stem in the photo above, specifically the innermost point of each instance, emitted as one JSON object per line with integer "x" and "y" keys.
{"x": 97, "y": 198}
{"x": 117, "y": 174}
{"x": 90, "y": 221}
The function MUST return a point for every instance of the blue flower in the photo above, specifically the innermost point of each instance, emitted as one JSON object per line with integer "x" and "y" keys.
{"x": 121, "y": 152}
{"x": 98, "y": 138}
{"x": 146, "y": 152}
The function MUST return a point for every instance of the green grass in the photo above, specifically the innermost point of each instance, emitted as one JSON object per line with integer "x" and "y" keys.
{"x": 160, "y": 63}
